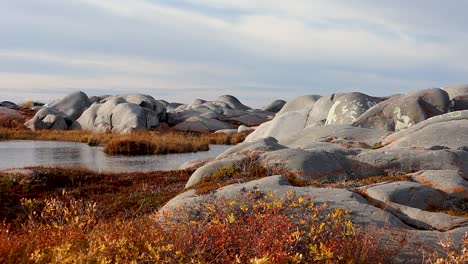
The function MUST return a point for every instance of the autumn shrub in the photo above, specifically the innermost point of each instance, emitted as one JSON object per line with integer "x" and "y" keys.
{"x": 11, "y": 123}
{"x": 257, "y": 228}
{"x": 450, "y": 255}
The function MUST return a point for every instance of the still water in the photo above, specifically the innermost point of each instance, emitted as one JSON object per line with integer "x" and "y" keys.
{"x": 28, "y": 153}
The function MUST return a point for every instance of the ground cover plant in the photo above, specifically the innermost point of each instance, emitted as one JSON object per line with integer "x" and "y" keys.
{"x": 57, "y": 215}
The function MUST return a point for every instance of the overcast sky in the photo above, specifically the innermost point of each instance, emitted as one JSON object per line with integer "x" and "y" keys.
{"x": 256, "y": 50}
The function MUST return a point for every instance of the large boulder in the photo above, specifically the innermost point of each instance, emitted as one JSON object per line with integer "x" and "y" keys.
{"x": 49, "y": 118}
{"x": 122, "y": 114}
{"x": 274, "y": 106}
{"x": 54, "y": 122}
{"x": 299, "y": 103}
{"x": 411, "y": 194}
{"x": 348, "y": 107}
{"x": 284, "y": 126}
{"x": 10, "y": 105}
{"x": 314, "y": 165}
{"x": 226, "y": 110}
{"x": 232, "y": 102}
{"x": 61, "y": 113}
{"x": 314, "y": 111}
{"x": 72, "y": 105}
{"x": 404, "y": 111}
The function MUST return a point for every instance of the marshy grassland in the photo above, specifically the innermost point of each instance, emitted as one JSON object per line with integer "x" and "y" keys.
{"x": 138, "y": 143}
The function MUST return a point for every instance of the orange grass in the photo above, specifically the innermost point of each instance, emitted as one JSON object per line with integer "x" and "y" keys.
{"x": 138, "y": 143}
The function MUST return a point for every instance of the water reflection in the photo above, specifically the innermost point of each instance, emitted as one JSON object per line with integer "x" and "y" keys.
{"x": 26, "y": 153}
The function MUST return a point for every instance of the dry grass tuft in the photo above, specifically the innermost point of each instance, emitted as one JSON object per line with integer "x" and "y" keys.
{"x": 138, "y": 143}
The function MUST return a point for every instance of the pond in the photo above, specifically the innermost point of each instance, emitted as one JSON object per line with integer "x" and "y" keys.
{"x": 30, "y": 153}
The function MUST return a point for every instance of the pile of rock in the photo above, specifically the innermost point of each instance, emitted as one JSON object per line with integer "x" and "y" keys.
{"x": 132, "y": 112}
{"x": 416, "y": 143}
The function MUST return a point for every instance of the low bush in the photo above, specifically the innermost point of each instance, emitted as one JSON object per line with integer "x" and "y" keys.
{"x": 259, "y": 228}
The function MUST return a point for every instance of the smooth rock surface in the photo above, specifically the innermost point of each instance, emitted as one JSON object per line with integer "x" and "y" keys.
{"x": 122, "y": 114}
{"x": 411, "y": 194}
{"x": 449, "y": 181}
{"x": 404, "y": 111}
{"x": 348, "y": 107}
{"x": 274, "y": 106}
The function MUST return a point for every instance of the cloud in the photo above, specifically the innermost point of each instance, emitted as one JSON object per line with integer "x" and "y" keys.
{"x": 255, "y": 49}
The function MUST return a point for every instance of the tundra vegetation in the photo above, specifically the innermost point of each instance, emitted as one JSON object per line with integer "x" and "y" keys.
{"x": 58, "y": 215}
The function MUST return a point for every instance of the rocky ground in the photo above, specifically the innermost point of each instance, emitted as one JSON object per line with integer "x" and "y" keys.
{"x": 415, "y": 144}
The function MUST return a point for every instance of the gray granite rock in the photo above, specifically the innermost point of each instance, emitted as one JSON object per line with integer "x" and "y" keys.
{"x": 274, "y": 106}
{"x": 404, "y": 111}
{"x": 348, "y": 107}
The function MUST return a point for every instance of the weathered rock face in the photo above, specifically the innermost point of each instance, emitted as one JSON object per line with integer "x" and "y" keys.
{"x": 451, "y": 182}
{"x": 122, "y": 114}
{"x": 443, "y": 131}
{"x": 72, "y": 105}
{"x": 404, "y": 111}
{"x": 411, "y": 194}
{"x": 382, "y": 162}
{"x": 49, "y": 118}
{"x": 309, "y": 165}
{"x": 60, "y": 114}
{"x": 313, "y": 111}
{"x": 348, "y": 107}
{"x": 226, "y": 112}
{"x": 299, "y": 103}
{"x": 338, "y": 134}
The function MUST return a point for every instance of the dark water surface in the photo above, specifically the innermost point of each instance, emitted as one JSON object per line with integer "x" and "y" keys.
{"x": 28, "y": 153}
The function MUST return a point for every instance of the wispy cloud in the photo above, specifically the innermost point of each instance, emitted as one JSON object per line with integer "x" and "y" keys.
{"x": 257, "y": 50}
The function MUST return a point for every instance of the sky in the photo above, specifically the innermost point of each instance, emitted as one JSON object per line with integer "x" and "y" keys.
{"x": 256, "y": 50}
